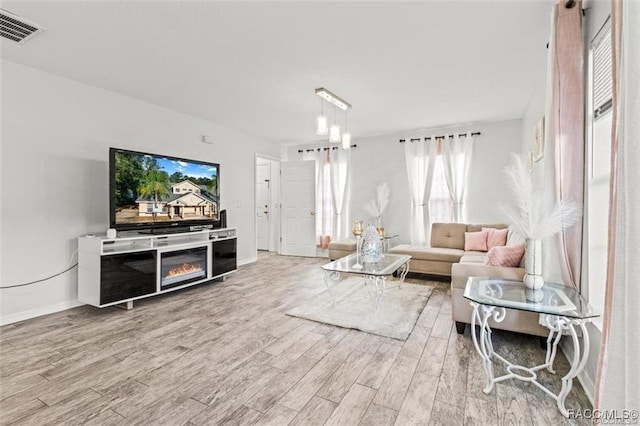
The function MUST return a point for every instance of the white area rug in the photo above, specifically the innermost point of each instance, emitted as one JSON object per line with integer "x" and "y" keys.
{"x": 397, "y": 314}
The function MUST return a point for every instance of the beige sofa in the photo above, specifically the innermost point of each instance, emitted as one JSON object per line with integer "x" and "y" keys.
{"x": 446, "y": 257}
{"x": 341, "y": 248}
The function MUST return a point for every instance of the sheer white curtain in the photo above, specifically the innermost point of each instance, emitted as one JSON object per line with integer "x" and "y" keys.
{"x": 456, "y": 152}
{"x": 332, "y": 177}
{"x": 420, "y": 158}
{"x": 440, "y": 206}
{"x": 339, "y": 161}
{"x": 619, "y": 372}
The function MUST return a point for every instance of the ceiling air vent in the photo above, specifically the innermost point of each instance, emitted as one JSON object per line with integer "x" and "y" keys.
{"x": 16, "y": 28}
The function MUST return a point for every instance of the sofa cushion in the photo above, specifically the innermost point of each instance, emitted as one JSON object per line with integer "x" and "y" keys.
{"x": 476, "y": 228}
{"x": 473, "y": 257}
{"x": 476, "y": 241}
{"x": 460, "y": 273}
{"x": 428, "y": 253}
{"x": 346, "y": 245}
{"x": 496, "y": 237}
{"x": 505, "y": 255}
{"x": 448, "y": 235}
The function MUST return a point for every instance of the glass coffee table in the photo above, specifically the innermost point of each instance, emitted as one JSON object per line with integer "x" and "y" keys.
{"x": 375, "y": 274}
{"x": 564, "y": 312}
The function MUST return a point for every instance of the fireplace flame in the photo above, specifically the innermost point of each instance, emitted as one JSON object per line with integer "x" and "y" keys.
{"x": 186, "y": 268}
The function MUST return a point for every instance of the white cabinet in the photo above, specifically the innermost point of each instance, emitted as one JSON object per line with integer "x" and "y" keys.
{"x": 126, "y": 268}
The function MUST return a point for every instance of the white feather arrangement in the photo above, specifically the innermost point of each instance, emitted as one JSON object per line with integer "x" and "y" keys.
{"x": 376, "y": 206}
{"x": 528, "y": 216}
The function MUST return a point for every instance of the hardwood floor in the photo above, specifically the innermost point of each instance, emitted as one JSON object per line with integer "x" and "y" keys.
{"x": 225, "y": 353}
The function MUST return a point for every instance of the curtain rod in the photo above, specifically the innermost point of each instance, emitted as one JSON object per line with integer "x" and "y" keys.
{"x": 326, "y": 148}
{"x": 438, "y": 137}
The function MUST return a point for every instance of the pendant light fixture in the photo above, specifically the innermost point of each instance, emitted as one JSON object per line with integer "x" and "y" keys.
{"x": 334, "y": 130}
{"x": 346, "y": 136}
{"x": 321, "y": 121}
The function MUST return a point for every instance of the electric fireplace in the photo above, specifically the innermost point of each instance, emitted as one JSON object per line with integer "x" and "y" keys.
{"x": 182, "y": 267}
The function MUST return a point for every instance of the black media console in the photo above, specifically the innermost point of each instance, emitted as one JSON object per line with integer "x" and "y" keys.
{"x": 123, "y": 269}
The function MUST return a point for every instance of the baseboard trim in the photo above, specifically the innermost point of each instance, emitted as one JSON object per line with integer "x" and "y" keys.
{"x": 588, "y": 386}
{"x": 247, "y": 261}
{"x": 38, "y": 312}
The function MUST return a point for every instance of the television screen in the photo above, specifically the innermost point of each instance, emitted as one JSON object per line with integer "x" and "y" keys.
{"x": 150, "y": 190}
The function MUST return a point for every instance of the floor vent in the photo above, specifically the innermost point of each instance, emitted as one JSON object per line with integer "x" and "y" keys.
{"x": 16, "y": 28}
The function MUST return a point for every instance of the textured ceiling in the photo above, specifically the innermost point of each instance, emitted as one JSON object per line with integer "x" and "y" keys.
{"x": 253, "y": 66}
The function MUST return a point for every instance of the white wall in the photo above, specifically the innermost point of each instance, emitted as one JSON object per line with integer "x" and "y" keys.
{"x": 533, "y": 113}
{"x": 55, "y": 139}
{"x": 381, "y": 159}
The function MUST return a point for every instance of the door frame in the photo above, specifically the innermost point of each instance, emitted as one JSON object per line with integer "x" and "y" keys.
{"x": 274, "y": 225}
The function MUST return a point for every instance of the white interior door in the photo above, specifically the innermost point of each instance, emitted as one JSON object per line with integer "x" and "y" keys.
{"x": 298, "y": 192}
{"x": 263, "y": 203}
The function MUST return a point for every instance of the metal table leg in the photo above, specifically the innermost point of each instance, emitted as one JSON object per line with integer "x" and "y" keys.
{"x": 333, "y": 275}
{"x": 556, "y": 324}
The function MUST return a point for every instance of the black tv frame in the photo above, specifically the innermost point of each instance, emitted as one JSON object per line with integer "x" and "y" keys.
{"x": 156, "y": 227}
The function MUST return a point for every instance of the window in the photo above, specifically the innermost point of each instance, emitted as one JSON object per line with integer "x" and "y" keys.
{"x": 440, "y": 206}
{"x": 598, "y": 156}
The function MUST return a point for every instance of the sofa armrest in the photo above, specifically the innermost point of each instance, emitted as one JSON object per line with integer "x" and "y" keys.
{"x": 461, "y": 271}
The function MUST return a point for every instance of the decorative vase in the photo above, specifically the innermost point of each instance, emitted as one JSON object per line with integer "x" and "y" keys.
{"x": 371, "y": 245}
{"x": 535, "y": 296}
{"x": 533, "y": 264}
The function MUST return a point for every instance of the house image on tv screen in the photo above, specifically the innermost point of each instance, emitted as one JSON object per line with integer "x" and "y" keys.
{"x": 187, "y": 200}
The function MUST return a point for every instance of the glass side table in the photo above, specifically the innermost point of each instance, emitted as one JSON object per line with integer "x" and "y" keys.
{"x": 565, "y": 311}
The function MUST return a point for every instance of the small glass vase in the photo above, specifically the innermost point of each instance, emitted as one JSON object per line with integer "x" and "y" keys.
{"x": 371, "y": 245}
{"x": 357, "y": 230}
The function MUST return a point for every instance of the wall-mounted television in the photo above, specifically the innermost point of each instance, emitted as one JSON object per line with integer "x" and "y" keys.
{"x": 151, "y": 191}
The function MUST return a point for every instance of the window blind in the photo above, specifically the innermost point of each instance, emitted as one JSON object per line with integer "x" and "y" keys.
{"x": 602, "y": 72}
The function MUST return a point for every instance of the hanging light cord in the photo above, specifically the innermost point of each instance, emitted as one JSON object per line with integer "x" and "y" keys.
{"x": 70, "y": 267}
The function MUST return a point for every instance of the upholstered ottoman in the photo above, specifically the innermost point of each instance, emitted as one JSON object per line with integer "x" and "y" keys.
{"x": 341, "y": 248}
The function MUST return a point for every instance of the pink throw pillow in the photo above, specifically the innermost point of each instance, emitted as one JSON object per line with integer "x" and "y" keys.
{"x": 496, "y": 237}
{"x": 475, "y": 241}
{"x": 505, "y": 255}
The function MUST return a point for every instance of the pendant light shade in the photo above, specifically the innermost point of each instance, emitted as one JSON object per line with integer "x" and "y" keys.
{"x": 346, "y": 141}
{"x": 321, "y": 126}
{"x": 346, "y": 136}
{"x": 321, "y": 121}
{"x": 334, "y": 134}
